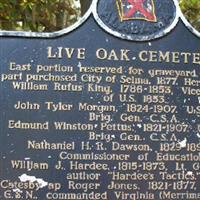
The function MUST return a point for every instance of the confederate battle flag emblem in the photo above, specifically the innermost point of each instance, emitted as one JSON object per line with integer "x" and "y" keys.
{"x": 137, "y": 9}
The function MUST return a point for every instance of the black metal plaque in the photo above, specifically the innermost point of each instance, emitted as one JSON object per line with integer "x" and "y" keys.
{"x": 107, "y": 109}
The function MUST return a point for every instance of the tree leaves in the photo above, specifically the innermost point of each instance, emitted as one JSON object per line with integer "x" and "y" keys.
{"x": 191, "y": 10}
{"x": 38, "y": 15}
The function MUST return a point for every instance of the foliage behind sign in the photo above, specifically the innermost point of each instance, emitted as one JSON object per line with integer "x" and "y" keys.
{"x": 38, "y": 15}
{"x": 191, "y": 10}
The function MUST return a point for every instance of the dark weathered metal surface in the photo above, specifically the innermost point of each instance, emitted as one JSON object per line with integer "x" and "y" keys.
{"x": 179, "y": 76}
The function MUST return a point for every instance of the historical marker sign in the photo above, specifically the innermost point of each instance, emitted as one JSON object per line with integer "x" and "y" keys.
{"x": 112, "y": 113}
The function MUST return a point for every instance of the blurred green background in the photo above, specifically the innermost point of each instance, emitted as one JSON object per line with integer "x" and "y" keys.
{"x": 40, "y": 15}
{"x": 191, "y": 10}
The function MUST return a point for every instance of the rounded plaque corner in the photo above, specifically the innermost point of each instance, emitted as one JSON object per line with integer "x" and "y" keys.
{"x": 55, "y": 34}
{"x": 154, "y": 22}
{"x": 186, "y": 22}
